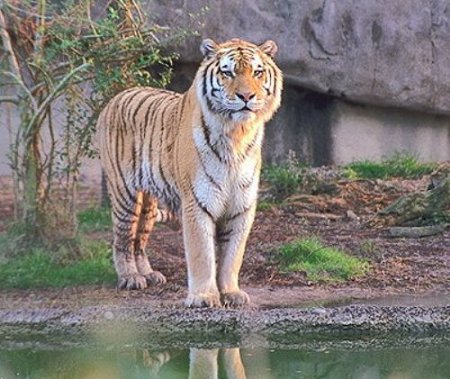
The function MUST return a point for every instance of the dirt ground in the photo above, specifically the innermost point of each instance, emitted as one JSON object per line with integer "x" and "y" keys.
{"x": 341, "y": 214}
{"x": 343, "y": 219}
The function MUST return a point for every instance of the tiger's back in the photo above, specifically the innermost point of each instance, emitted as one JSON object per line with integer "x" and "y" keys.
{"x": 199, "y": 153}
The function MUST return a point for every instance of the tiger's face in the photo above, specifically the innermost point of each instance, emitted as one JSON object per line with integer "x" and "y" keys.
{"x": 240, "y": 80}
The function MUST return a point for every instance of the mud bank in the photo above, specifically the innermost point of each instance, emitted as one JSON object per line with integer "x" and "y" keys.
{"x": 163, "y": 326}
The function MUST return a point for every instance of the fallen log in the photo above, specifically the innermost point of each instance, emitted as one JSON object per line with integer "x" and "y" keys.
{"x": 421, "y": 208}
{"x": 416, "y": 231}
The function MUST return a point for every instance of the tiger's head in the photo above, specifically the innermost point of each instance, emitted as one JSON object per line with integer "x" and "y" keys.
{"x": 238, "y": 80}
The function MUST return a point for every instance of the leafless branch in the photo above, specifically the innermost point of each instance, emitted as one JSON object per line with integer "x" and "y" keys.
{"x": 23, "y": 87}
{"x": 9, "y": 99}
{"x": 52, "y": 96}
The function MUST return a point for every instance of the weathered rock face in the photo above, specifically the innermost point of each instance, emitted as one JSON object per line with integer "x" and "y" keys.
{"x": 384, "y": 52}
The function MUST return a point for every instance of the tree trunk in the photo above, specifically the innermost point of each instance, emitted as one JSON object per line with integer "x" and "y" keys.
{"x": 32, "y": 185}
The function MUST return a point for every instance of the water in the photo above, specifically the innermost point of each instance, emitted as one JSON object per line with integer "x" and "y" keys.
{"x": 130, "y": 362}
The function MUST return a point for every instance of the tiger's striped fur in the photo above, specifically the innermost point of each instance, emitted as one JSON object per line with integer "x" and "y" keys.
{"x": 199, "y": 154}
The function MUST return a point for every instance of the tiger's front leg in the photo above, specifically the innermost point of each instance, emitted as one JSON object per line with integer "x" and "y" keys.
{"x": 198, "y": 234}
{"x": 232, "y": 238}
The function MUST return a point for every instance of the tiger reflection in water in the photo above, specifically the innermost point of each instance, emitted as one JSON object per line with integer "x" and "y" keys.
{"x": 203, "y": 363}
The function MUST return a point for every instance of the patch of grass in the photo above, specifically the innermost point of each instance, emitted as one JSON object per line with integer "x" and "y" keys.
{"x": 95, "y": 219}
{"x": 400, "y": 165}
{"x": 284, "y": 180}
{"x": 70, "y": 261}
{"x": 264, "y": 205}
{"x": 39, "y": 268}
{"x": 319, "y": 262}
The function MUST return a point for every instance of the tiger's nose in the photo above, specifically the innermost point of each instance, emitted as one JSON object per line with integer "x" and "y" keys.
{"x": 245, "y": 96}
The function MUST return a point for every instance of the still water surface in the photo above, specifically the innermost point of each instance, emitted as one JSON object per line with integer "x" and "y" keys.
{"x": 409, "y": 362}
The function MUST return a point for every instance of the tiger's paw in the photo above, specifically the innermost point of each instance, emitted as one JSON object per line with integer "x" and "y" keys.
{"x": 155, "y": 278}
{"x": 203, "y": 300}
{"x": 235, "y": 299}
{"x": 132, "y": 282}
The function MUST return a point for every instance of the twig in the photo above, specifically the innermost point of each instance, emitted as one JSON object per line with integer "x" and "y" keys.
{"x": 51, "y": 154}
{"x": 26, "y": 11}
{"x": 25, "y": 89}
{"x": 9, "y": 99}
{"x": 54, "y": 94}
{"x": 13, "y": 62}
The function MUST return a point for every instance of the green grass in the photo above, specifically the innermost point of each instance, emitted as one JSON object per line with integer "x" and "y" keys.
{"x": 400, "y": 165}
{"x": 70, "y": 262}
{"x": 264, "y": 205}
{"x": 95, "y": 220}
{"x": 42, "y": 269}
{"x": 284, "y": 180}
{"x": 319, "y": 262}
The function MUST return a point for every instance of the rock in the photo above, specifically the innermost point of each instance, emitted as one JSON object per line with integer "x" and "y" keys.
{"x": 352, "y": 215}
{"x": 384, "y": 52}
{"x": 417, "y": 231}
{"x": 108, "y": 315}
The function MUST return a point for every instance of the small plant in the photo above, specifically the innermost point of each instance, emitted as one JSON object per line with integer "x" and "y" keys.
{"x": 95, "y": 220}
{"x": 400, "y": 165}
{"x": 319, "y": 262}
{"x": 264, "y": 205}
{"x": 284, "y": 179}
{"x": 368, "y": 248}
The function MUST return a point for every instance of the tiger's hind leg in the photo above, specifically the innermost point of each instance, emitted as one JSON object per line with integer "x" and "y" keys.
{"x": 126, "y": 208}
{"x": 147, "y": 220}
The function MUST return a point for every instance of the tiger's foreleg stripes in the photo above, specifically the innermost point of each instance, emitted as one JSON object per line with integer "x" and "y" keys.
{"x": 232, "y": 237}
{"x": 199, "y": 243}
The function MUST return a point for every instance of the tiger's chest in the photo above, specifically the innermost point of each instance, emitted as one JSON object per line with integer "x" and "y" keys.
{"x": 224, "y": 184}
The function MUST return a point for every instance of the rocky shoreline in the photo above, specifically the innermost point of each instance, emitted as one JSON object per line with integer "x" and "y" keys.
{"x": 175, "y": 326}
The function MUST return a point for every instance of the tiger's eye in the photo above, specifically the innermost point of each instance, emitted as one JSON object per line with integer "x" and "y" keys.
{"x": 258, "y": 73}
{"x": 227, "y": 73}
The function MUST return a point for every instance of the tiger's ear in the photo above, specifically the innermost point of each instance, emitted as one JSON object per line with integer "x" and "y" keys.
{"x": 269, "y": 47}
{"x": 208, "y": 47}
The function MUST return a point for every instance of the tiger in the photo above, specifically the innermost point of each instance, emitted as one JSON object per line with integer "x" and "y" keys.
{"x": 198, "y": 155}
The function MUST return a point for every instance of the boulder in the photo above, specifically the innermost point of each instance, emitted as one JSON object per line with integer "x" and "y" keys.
{"x": 393, "y": 53}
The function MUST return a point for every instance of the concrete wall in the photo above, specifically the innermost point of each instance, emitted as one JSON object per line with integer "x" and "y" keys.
{"x": 323, "y": 130}
{"x": 9, "y": 116}
{"x": 365, "y": 132}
